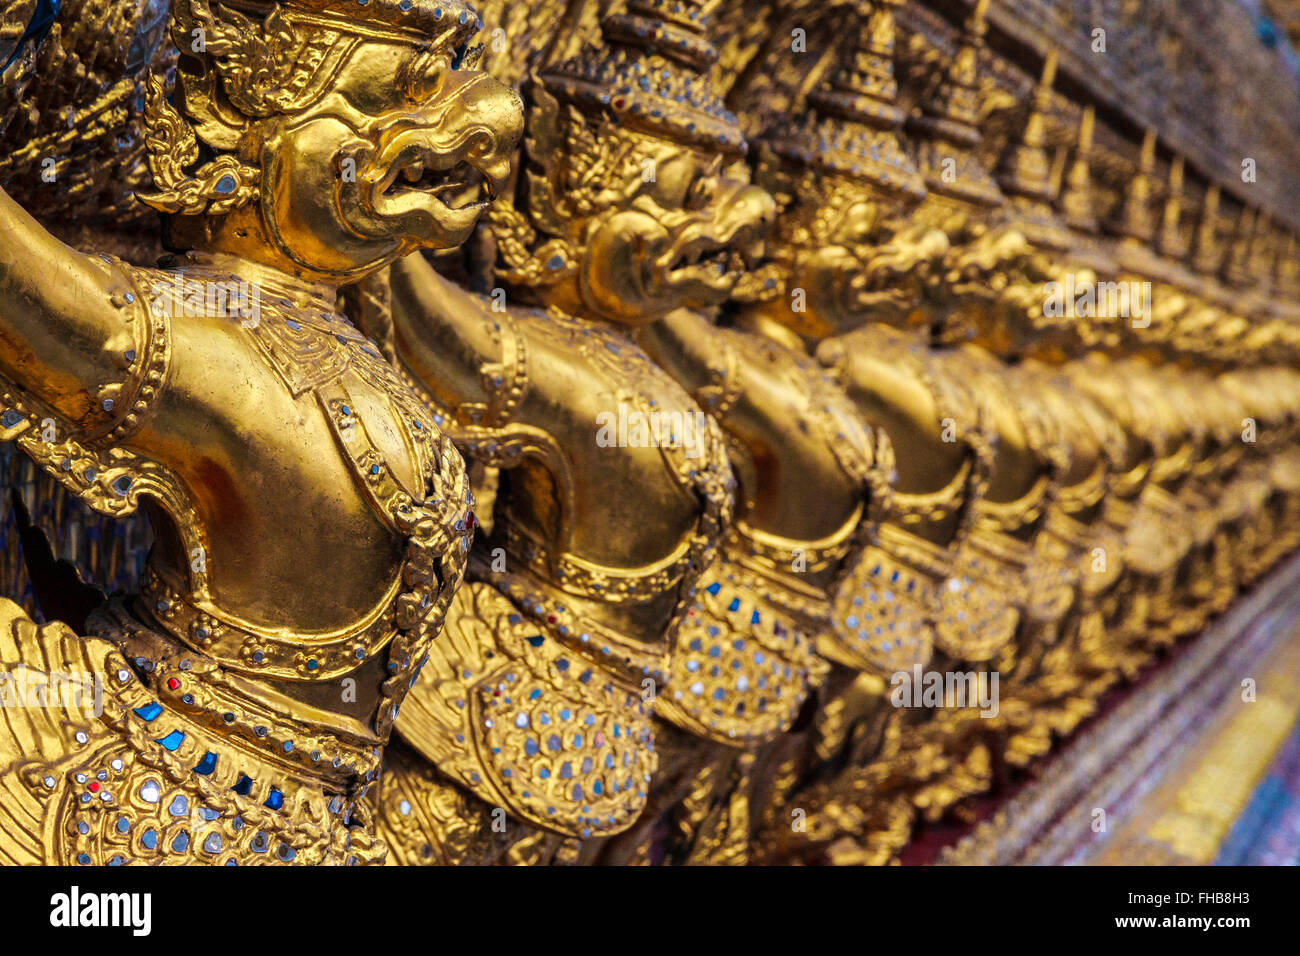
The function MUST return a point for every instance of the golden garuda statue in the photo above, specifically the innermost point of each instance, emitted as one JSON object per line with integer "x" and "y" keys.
{"x": 576, "y": 431}
{"x": 312, "y": 522}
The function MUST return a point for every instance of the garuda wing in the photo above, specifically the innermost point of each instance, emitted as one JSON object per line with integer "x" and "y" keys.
{"x": 44, "y": 729}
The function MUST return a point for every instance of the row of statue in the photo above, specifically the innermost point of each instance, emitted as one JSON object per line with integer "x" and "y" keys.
{"x": 591, "y": 474}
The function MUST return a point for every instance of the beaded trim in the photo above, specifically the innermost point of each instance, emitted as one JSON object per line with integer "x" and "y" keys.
{"x": 611, "y": 585}
{"x": 975, "y": 617}
{"x": 107, "y": 478}
{"x": 291, "y": 655}
{"x": 932, "y": 560}
{"x": 242, "y": 808}
{"x": 935, "y": 506}
{"x": 971, "y": 428}
{"x": 1006, "y": 517}
{"x": 1169, "y": 469}
{"x": 775, "y": 553}
{"x": 521, "y": 716}
{"x": 807, "y": 607}
{"x": 587, "y": 638}
{"x": 150, "y": 374}
{"x": 1129, "y": 484}
{"x": 1085, "y": 494}
{"x": 199, "y": 688}
{"x": 505, "y": 382}
{"x": 1008, "y": 551}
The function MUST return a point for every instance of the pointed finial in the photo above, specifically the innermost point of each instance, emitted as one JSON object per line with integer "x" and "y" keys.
{"x": 852, "y": 125}
{"x": 654, "y": 73}
{"x": 946, "y": 133}
{"x": 1262, "y": 251}
{"x": 1208, "y": 254}
{"x": 1172, "y": 243}
{"x": 1048, "y": 79}
{"x": 1026, "y": 169}
{"x": 1237, "y": 270}
{"x": 1288, "y": 265}
{"x": 1077, "y": 201}
{"x": 1136, "y": 218}
{"x": 1025, "y": 172}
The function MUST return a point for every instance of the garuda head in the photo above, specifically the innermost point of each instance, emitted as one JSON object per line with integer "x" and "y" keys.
{"x": 327, "y": 137}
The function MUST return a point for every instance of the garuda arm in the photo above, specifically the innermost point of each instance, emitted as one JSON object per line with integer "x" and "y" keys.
{"x": 474, "y": 362}
{"x": 445, "y": 336}
{"x": 71, "y": 332}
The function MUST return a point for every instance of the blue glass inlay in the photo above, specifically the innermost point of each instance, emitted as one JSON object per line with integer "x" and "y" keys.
{"x": 172, "y": 740}
{"x": 149, "y": 711}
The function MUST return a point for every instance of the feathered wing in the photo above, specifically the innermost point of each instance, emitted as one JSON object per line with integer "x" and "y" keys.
{"x": 71, "y": 111}
{"x": 433, "y": 713}
{"x": 37, "y": 735}
{"x": 16, "y": 17}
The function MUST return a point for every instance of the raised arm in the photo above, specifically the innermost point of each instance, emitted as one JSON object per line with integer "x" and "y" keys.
{"x": 447, "y": 336}
{"x": 73, "y": 328}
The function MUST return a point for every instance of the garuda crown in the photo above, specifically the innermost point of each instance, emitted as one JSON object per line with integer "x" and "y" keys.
{"x": 853, "y": 127}
{"x": 653, "y": 74}
{"x": 948, "y": 125}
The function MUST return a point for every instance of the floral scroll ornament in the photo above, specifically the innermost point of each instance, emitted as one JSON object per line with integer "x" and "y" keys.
{"x": 260, "y": 76}
{"x": 216, "y": 187}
